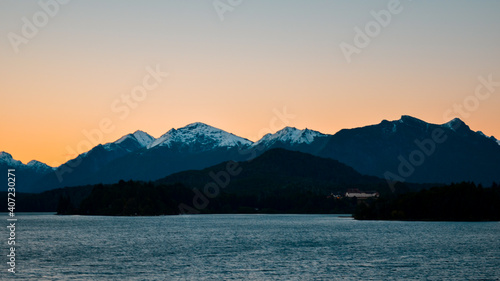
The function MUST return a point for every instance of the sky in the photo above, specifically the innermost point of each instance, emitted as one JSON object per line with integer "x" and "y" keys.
{"x": 90, "y": 71}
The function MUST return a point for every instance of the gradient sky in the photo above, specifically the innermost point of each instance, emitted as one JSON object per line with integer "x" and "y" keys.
{"x": 234, "y": 73}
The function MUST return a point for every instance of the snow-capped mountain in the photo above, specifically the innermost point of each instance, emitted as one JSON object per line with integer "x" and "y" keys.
{"x": 80, "y": 170}
{"x": 372, "y": 150}
{"x": 141, "y": 138}
{"x": 290, "y": 138}
{"x": 104, "y": 153}
{"x": 26, "y": 175}
{"x": 290, "y": 135}
{"x": 199, "y": 135}
{"x": 454, "y": 124}
{"x": 194, "y": 146}
{"x": 140, "y": 156}
{"x": 6, "y": 159}
{"x": 39, "y": 166}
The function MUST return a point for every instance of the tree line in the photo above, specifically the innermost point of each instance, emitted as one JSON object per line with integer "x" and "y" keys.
{"x": 464, "y": 201}
{"x": 133, "y": 198}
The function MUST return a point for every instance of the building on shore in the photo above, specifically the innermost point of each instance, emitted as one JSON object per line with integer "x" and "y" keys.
{"x": 361, "y": 195}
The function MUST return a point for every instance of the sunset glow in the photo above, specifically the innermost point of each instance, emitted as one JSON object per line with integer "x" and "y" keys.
{"x": 87, "y": 69}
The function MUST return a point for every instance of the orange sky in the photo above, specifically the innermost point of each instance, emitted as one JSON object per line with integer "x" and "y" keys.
{"x": 233, "y": 74}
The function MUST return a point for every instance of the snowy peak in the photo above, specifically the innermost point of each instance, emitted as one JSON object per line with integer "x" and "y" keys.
{"x": 34, "y": 163}
{"x": 142, "y": 138}
{"x": 291, "y": 135}
{"x": 37, "y": 165}
{"x": 163, "y": 139}
{"x": 199, "y": 134}
{"x": 6, "y": 158}
{"x": 199, "y": 126}
{"x": 454, "y": 124}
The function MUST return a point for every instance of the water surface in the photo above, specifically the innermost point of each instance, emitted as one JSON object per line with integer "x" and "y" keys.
{"x": 252, "y": 247}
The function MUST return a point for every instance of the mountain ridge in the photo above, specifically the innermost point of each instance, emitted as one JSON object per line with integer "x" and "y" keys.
{"x": 276, "y": 135}
{"x": 372, "y": 150}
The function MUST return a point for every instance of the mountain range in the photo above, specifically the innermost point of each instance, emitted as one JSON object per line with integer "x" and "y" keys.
{"x": 27, "y": 175}
{"x": 278, "y": 179}
{"x": 406, "y": 150}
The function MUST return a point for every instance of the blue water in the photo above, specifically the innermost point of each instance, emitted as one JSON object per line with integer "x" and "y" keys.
{"x": 251, "y": 247}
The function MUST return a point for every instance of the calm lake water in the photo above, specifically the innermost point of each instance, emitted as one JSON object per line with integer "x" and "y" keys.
{"x": 251, "y": 247}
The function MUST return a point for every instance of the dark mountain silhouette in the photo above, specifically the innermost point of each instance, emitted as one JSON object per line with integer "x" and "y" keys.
{"x": 405, "y": 150}
{"x": 26, "y": 175}
{"x": 412, "y": 150}
{"x": 81, "y": 170}
{"x": 279, "y": 179}
{"x": 280, "y": 169}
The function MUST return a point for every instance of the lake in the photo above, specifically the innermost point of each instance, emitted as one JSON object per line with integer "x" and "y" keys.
{"x": 250, "y": 247}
